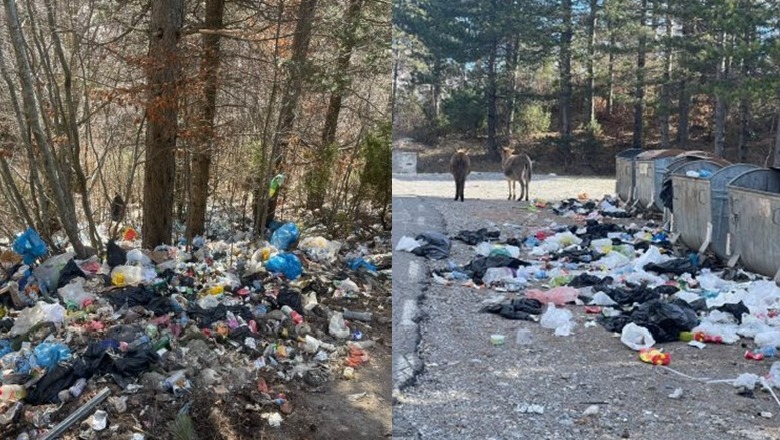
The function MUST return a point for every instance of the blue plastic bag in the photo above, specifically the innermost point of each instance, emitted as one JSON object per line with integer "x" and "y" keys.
{"x": 5, "y": 347}
{"x": 47, "y": 355}
{"x": 288, "y": 264}
{"x": 286, "y": 235}
{"x": 357, "y": 263}
{"x": 30, "y": 246}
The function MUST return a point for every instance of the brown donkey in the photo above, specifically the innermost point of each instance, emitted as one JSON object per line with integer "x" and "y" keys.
{"x": 517, "y": 168}
{"x": 459, "y": 167}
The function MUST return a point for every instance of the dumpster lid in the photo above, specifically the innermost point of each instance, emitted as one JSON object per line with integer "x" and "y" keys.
{"x": 659, "y": 154}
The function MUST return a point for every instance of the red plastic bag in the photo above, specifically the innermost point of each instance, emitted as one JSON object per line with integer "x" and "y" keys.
{"x": 558, "y": 296}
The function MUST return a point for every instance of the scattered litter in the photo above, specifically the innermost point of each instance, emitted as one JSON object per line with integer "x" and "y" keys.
{"x": 676, "y": 394}
{"x": 525, "y": 408}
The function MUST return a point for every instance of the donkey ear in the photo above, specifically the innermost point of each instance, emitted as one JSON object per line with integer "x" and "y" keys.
{"x": 467, "y": 150}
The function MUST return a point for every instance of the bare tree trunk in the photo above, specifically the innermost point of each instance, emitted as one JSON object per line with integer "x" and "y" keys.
{"x": 685, "y": 95}
{"x": 591, "y": 117}
{"x": 162, "y": 112}
{"x": 720, "y": 101}
{"x": 776, "y": 158}
{"x": 62, "y": 197}
{"x": 611, "y": 70}
{"x": 512, "y": 60}
{"x": 436, "y": 91}
{"x": 201, "y": 157}
{"x": 639, "y": 97}
{"x": 665, "y": 110}
{"x": 342, "y": 66}
{"x": 492, "y": 103}
{"x": 565, "y": 73}
{"x": 291, "y": 95}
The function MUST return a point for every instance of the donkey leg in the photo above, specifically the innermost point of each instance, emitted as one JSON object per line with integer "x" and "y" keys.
{"x": 509, "y": 185}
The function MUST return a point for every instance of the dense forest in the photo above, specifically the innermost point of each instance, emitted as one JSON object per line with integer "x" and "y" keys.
{"x": 642, "y": 73}
{"x": 181, "y": 111}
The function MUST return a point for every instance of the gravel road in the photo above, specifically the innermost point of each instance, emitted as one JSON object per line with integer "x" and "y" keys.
{"x": 470, "y": 389}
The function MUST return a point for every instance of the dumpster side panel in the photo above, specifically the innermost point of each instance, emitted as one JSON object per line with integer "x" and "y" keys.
{"x": 720, "y": 205}
{"x": 755, "y": 219}
{"x": 691, "y": 206}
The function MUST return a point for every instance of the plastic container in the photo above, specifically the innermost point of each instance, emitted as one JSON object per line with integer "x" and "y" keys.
{"x": 523, "y": 337}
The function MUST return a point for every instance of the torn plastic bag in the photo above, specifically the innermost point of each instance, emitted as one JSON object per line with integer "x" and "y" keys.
{"x": 436, "y": 246}
{"x": 479, "y": 266}
{"x": 48, "y": 273}
{"x": 664, "y": 320}
{"x": 628, "y": 295}
{"x": 30, "y": 246}
{"x": 116, "y": 255}
{"x": 518, "y": 308}
{"x": 737, "y": 310}
{"x": 285, "y": 236}
{"x": 558, "y": 296}
{"x": 667, "y": 194}
{"x": 473, "y": 238}
{"x": 70, "y": 272}
{"x": 288, "y": 264}
{"x": 677, "y": 266}
{"x": 636, "y": 337}
{"x": 585, "y": 280}
{"x": 288, "y": 297}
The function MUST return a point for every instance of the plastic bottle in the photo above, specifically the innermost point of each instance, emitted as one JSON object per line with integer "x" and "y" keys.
{"x": 295, "y": 316}
{"x": 140, "y": 343}
{"x": 12, "y": 393}
{"x": 173, "y": 379}
{"x": 78, "y": 387}
{"x": 359, "y": 316}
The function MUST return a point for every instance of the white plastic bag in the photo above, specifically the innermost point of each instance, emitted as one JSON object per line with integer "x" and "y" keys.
{"x": 602, "y": 299}
{"x": 636, "y": 337}
{"x": 558, "y": 319}
{"x": 74, "y": 292}
{"x": 41, "y": 312}
{"x": 337, "y": 328}
{"x": 407, "y": 244}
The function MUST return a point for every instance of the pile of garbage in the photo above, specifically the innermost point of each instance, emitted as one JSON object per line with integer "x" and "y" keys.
{"x": 166, "y": 325}
{"x": 632, "y": 280}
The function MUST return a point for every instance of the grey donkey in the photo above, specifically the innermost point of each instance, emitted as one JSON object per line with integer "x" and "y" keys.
{"x": 517, "y": 168}
{"x": 460, "y": 165}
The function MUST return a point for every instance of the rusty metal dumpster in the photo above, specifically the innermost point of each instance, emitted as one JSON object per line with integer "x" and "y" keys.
{"x": 754, "y": 220}
{"x": 700, "y": 203}
{"x": 625, "y": 174}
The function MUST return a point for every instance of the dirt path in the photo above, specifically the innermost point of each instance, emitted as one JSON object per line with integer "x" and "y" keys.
{"x": 471, "y": 389}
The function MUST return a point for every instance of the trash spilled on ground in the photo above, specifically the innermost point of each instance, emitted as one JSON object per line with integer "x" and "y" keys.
{"x": 83, "y": 342}
{"x": 631, "y": 279}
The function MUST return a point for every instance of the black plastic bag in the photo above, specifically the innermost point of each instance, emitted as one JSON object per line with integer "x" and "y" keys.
{"x": 665, "y": 320}
{"x": 677, "y": 266}
{"x": 478, "y": 266}
{"x": 517, "y": 309}
{"x": 436, "y": 247}
{"x": 69, "y": 272}
{"x": 586, "y": 279}
{"x": 475, "y": 237}
{"x": 116, "y": 255}
{"x": 288, "y": 297}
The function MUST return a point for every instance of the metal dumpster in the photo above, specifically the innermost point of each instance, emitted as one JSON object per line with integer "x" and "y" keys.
{"x": 651, "y": 170}
{"x": 754, "y": 220}
{"x": 625, "y": 174}
{"x": 698, "y": 203}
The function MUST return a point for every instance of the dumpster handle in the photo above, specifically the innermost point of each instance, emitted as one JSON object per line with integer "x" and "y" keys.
{"x": 702, "y": 197}
{"x": 776, "y": 216}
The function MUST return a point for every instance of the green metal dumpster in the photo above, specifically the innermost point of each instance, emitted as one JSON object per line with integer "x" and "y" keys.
{"x": 754, "y": 221}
